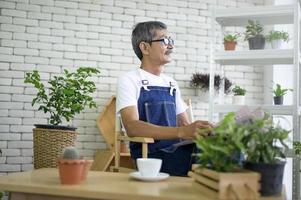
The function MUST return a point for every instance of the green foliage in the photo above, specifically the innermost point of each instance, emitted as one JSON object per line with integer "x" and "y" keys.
{"x": 262, "y": 141}
{"x": 228, "y": 37}
{"x": 70, "y": 153}
{"x": 278, "y": 91}
{"x": 297, "y": 147}
{"x": 219, "y": 150}
{"x": 201, "y": 80}
{"x": 253, "y": 29}
{"x": 237, "y": 90}
{"x": 277, "y": 35}
{"x": 68, "y": 94}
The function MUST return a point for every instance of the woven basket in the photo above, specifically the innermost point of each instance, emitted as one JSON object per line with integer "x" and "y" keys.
{"x": 48, "y": 145}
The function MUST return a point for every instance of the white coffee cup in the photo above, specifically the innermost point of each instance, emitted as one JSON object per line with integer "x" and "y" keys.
{"x": 149, "y": 167}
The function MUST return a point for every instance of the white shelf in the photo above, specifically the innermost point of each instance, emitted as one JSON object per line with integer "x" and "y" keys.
{"x": 274, "y": 110}
{"x": 255, "y": 57}
{"x": 283, "y": 14}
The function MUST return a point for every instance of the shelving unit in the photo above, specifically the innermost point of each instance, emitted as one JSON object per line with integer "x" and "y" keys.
{"x": 267, "y": 15}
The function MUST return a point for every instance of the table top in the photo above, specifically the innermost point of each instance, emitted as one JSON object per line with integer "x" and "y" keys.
{"x": 100, "y": 185}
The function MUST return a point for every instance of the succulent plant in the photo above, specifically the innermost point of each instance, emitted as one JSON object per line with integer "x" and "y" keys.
{"x": 70, "y": 153}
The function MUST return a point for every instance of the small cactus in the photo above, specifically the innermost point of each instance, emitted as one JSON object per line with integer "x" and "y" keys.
{"x": 70, "y": 153}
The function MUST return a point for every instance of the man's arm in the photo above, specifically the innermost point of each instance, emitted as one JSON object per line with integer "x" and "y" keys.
{"x": 183, "y": 119}
{"x": 137, "y": 128}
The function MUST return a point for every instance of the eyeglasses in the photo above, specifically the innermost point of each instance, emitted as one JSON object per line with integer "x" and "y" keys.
{"x": 165, "y": 41}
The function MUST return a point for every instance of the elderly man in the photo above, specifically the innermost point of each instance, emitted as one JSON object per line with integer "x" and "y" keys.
{"x": 150, "y": 102}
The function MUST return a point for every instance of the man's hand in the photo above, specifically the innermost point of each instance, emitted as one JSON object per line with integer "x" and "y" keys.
{"x": 190, "y": 131}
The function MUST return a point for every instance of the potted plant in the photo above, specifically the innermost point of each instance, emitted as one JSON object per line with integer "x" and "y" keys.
{"x": 239, "y": 95}
{"x": 220, "y": 162}
{"x": 277, "y": 38}
{"x": 200, "y": 81}
{"x": 230, "y": 41}
{"x": 279, "y": 92}
{"x": 264, "y": 148}
{"x": 72, "y": 168}
{"x": 254, "y": 35}
{"x": 66, "y": 96}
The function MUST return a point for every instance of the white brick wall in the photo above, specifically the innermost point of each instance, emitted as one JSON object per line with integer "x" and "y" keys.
{"x": 49, "y": 35}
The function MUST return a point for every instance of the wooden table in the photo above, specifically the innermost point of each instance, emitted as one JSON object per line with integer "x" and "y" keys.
{"x": 45, "y": 184}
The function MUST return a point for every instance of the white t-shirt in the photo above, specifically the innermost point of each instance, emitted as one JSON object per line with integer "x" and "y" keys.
{"x": 129, "y": 85}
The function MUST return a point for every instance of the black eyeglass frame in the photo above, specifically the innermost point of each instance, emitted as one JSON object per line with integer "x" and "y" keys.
{"x": 166, "y": 41}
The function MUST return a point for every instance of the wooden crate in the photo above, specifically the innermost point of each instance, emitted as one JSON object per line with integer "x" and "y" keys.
{"x": 227, "y": 186}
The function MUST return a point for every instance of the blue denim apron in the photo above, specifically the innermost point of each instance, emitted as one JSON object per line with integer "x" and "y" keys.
{"x": 157, "y": 105}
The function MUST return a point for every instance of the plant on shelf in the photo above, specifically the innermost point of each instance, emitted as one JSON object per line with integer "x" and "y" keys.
{"x": 265, "y": 147}
{"x": 220, "y": 154}
{"x": 254, "y": 35}
{"x": 230, "y": 41}
{"x": 201, "y": 81}
{"x": 67, "y": 95}
{"x": 277, "y": 38}
{"x": 239, "y": 95}
{"x": 279, "y": 92}
{"x": 72, "y": 168}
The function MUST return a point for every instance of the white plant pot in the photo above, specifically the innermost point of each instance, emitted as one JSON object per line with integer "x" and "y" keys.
{"x": 277, "y": 44}
{"x": 238, "y": 100}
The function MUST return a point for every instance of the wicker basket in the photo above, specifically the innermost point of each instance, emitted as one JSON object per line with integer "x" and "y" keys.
{"x": 48, "y": 145}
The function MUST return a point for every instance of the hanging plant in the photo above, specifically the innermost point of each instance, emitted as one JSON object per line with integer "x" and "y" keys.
{"x": 201, "y": 81}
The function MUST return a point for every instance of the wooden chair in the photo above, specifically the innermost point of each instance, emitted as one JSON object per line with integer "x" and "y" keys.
{"x": 121, "y": 136}
{"x": 106, "y": 124}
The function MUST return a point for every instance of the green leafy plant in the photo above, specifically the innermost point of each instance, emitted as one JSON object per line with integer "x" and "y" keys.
{"x": 219, "y": 152}
{"x": 297, "y": 147}
{"x": 68, "y": 94}
{"x": 277, "y": 35}
{"x": 201, "y": 80}
{"x": 253, "y": 29}
{"x": 237, "y": 90}
{"x": 228, "y": 37}
{"x": 262, "y": 141}
{"x": 279, "y": 91}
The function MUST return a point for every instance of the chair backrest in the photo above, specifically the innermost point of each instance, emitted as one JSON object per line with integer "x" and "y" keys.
{"x": 189, "y": 110}
{"x": 106, "y": 122}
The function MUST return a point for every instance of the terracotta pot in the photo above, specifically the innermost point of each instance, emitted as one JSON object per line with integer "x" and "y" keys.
{"x": 71, "y": 171}
{"x": 87, "y": 167}
{"x": 230, "y": 46}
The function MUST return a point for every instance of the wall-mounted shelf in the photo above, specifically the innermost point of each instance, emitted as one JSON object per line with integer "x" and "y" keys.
{"x": 255, "y": 57}
{"x": 265, "y": 14}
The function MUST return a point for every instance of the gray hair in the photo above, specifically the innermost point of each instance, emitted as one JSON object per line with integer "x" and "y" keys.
{"x": 145, "y": 32}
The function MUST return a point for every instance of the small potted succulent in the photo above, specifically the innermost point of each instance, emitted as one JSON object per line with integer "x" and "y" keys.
{"x": 239, "y": 95}
{"x": 200, "y": 81}
{"x": 279, "y": 92}
{"x": 254, "y": 35}
{"x": 277, "y": 38}
{"x": 230, "y": 41}
{"x": 72, "y": 168}
{"x": 65, "y": 96}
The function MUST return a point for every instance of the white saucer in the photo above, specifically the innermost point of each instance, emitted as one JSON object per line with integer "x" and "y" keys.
{"x": 161, "y": 176}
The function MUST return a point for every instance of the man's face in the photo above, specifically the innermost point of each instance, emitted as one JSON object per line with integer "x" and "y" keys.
{"x": 159, "y": 51}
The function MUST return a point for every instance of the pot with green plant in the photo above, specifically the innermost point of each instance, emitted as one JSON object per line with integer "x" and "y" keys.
{"x": 230, "y": 41}
{"x": 279, "y": 93}
{"x": 277, "y": 38}
{"x": 220, "y": 162}
{"x": 200, "y": 81}
{"x": 265, "y": 147}
{"x": 254, "y": 35}
{"x": 66, "y": 95}
{"x": 239, "y": 95}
